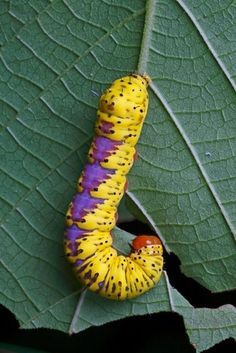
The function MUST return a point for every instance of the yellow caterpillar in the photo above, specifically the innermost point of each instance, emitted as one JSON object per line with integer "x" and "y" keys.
{"x": 92, "y": 213}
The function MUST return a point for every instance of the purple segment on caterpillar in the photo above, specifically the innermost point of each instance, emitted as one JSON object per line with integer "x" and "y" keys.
{"x": 106, "y": 144}
{"x": 103, "y": 147}
{"x": 105, "y": 127}
{"x": 94, "y": 175}
{"x": 83, "y": 203}
{"x": 74, "y": 232}
{"x": 73, "y": 247}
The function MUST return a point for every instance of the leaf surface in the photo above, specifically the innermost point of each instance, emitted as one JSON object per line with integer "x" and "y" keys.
{"x": 56, "y": 58}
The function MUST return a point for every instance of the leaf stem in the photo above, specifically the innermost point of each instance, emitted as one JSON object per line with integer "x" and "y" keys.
{"x": 146, "y": 40}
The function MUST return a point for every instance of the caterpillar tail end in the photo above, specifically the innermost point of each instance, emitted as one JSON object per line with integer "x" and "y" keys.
{"x": 145, "y": 76}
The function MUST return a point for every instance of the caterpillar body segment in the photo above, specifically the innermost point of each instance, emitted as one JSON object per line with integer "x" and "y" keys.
{"x": 92, "y": 214}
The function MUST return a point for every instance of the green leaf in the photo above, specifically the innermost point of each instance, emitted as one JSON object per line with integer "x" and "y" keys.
{"x": 205, "y": 327}
{"x": 56, "y": 59}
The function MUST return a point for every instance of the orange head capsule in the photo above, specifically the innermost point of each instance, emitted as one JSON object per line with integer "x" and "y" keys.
{"x": 144, "y": 240}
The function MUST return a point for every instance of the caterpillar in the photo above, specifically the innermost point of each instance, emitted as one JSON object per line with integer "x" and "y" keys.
{"x": 92, "y": 214}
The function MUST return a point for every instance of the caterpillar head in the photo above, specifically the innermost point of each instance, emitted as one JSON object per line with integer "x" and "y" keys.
{"x": 145, "y": 240}
{"x": 144, "y": 76}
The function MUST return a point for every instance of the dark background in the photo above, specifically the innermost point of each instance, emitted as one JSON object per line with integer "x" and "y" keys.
{"x": 160, "y": 333}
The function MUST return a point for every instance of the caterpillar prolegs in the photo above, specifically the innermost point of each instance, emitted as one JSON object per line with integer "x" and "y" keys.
{"x": 92, "y": 213}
